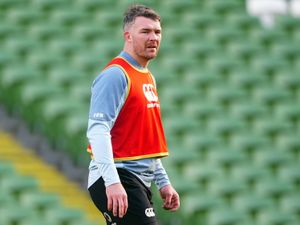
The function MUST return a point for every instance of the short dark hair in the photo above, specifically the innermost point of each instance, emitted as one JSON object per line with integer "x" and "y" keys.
{"x": 135, "y": 11}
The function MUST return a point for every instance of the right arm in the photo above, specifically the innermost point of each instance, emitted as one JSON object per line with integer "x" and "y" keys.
{"x": 108, "y": 96}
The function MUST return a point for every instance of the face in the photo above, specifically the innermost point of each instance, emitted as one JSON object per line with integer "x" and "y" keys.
{"x": 143, "y": 39}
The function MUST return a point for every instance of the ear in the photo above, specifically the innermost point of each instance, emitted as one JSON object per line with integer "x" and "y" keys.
{"x": 127, "y": 36}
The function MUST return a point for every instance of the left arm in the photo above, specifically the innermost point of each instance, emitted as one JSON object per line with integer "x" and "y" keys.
{"x": 168, "y": 194}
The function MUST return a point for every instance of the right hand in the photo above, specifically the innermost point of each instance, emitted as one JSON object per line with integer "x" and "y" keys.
{"x": 117, "y": 199}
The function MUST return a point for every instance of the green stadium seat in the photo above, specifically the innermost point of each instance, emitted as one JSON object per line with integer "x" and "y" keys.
{"x": 287, "y": 78}
{"x": 63, "y": 215}
{"x": 200, "y": 203}
{"x": 225, "y": 215}
{"x": 6, "y": 169}
{"x": 16, "y": 185}
{"x": 247, "y": 79}
{"x": 267, "y": 126}
{"x": 37, "y": 221}
{"x": 201, "y": 109}
{"x": 238, "y": 48}
{"x": 200, "y": 20}
{"x": 266, "y": 38}
{"x": 274, "y": 188}
{"x": 225, "y": 157}
{"x": 250, "y": 173}
{"x": 92, "y": 5}
{"x": 249, "y": 141}
{"x": 291, "y": 203}
{"x": 65, "y": 46}
{"x": 201, "y": 78}
{"x": 65, "y": 77}
{"x": 225, "y": 94}
{"x": 14, "y": 214}
{"x": 275, "y": 216}
{"x": 48, "y": 4}
{"x": 201, "y": 141}
{"x": 248, "y": 111}
{"x": 270, "y": 94}
{"x": 68, "y": 17}
{"x": 200, "y": 51}
{"x": 225, "y": 125}
{"x": 272, "y": 158}
{"x": 289, "y": 141}
{"x": 19, "y": 45}
{"x": 223, "y": 7}
{"x": 269, "y": 63}
{"x": 23, "y": 16}
{"x": 251, "y": 203}
{"x": 242, "y": 21}
{"x": 290, "y": 173}
{"x": 289, "y": 50}
{"x": 39, "y": 201}
{"x": 222, "y": 35}
{"x": 202, "y": 172}
{"x": 45, "y": 33}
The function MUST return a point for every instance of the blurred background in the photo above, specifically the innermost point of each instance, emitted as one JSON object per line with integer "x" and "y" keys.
{"x": 229, "y": 83}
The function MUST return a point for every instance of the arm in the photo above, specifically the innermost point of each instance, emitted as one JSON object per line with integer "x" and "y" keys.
{"x": 168, "y": 194}
{"x": 108, "y": 93}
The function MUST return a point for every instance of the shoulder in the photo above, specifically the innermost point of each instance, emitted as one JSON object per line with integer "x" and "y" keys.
{"x": 112, "y": 75}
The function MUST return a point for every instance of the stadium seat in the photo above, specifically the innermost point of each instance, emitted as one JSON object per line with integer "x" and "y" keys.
{"x": 63, "y": 215}
{"x": 203, "y": 110}
{"x": 225, "y": 215}
{"x": 274, "y": 216}
{"x": 250, "y": 173}
{"x": 251, "y": 203}
{"x": 202, "y": 172}
{"x": 39, "y": 201}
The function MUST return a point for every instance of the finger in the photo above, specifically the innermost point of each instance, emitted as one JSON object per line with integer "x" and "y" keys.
{"x": 167, "y": 201}
{"x": 115, "y": 207}
{"x": 121, "y": 208}
{"x": 175, "y": 203}
{"x": 125, "y": 200}
{"x": 109, "y": 203}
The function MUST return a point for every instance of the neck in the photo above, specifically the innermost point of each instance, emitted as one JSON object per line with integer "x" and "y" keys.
{"x": 140, "y": 60}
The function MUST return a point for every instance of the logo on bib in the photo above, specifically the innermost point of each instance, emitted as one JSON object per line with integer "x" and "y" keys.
{"x": 150, "y": 95}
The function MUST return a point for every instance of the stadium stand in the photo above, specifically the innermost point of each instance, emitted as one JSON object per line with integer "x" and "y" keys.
{"x": 229, "y": 90}
{"x": 33, "y": 192}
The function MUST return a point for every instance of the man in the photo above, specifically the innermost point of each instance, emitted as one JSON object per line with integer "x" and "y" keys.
{"x": 125, "y": 131}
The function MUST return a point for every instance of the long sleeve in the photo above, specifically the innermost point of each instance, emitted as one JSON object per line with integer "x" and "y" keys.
{"x": 161, "y": 178}
{"x": 108, "y": 96}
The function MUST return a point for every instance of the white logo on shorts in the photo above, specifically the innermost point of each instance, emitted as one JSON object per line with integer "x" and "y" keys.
{"x": 149, "y": 212}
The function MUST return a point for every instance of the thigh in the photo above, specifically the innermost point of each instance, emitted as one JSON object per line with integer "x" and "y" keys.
{"x": 140, "y": 209}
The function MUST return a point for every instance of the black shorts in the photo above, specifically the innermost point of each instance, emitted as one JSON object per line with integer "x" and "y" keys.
{"x": 140, "y": 206}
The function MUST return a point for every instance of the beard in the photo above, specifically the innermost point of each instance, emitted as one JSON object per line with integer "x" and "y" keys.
{"x": 147, "y": 51}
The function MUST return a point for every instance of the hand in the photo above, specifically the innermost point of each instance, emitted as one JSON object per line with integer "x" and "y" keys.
{"x": 170, "y": 198}
{"x": 117, "y": 199}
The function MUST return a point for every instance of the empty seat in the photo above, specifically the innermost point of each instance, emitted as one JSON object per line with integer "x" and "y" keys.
{"x": 251, "y": 203}
{"x": 275, "y": 216}
{"x": 225, "y": 215}
{"x": 16, "y": 185}
{"x": 225, "y": 125}
{"x": 63, "y": 215}
{"x": 39, "y": 201}
{"x": 203, "y": 109}
{"x": 249, "y": 110}
{"x": 270, "y": 94}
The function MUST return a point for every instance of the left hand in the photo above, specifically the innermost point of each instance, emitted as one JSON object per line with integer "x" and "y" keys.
{"x": 170, "y": 198}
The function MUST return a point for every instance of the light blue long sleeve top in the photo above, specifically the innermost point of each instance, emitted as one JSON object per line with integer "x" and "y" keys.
{"x": 108, "y": 96}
